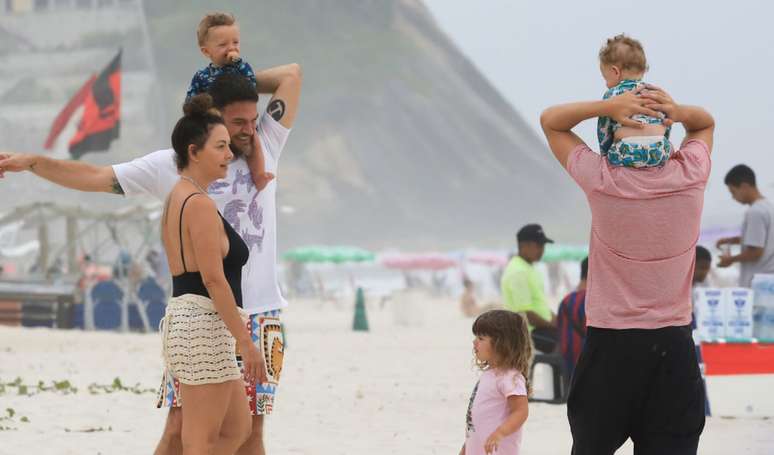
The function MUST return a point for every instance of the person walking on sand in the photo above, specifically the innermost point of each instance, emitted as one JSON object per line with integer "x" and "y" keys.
{"x": 499, "y": 404}
{"x": 202, "y": 324}
{"x": 637, "y": 376}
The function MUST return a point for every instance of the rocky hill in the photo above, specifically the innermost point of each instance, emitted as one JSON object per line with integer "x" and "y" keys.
{"x": 400, "y": 141}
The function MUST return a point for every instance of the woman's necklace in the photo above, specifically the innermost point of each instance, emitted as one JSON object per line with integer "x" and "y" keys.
{"x": 185, "y": 177}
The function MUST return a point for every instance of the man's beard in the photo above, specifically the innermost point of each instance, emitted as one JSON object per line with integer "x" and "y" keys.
{"x": 238, "y": 152}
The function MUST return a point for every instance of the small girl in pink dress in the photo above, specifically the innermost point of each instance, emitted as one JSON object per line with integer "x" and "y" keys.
{"x": 498, "y": 405}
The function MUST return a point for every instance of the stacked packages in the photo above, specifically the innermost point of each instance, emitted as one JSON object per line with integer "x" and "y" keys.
{"x": 736, "y": 313}
{"x": 724, "y": 313}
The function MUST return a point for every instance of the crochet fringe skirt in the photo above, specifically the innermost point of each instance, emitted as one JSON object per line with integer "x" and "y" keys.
{"x": 196, "y": 344}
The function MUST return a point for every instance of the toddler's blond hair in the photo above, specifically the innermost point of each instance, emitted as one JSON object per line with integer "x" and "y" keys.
{"x": 211, "y": 20}
{"x": 624, "y": 52}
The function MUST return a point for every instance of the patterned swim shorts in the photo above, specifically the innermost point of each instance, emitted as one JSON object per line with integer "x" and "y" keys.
{"x": 267, "y": 333}
{"x": 640, "y": 151}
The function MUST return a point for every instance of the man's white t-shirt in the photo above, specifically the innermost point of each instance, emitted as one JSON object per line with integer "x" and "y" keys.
{"x": 253, "y": 215}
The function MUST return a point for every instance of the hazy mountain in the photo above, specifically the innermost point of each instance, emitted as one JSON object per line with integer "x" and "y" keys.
{"x": 400, "y": 141}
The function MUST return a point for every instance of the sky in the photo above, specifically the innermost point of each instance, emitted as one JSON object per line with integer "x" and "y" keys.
{"x": 719, "y": 55}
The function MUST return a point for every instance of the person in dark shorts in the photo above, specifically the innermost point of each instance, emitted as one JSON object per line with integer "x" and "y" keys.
{"x": 637, "y": 376}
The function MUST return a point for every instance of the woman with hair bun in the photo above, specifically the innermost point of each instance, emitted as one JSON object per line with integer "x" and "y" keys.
{"x": 203, "y": 321}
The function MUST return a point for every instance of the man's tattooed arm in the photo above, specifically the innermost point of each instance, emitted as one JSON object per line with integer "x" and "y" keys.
{"x": 284, "y": 84}
{"x": 73, "y": 174}
{"x": 276, "y": 109}
{"x": 116, "y": 187}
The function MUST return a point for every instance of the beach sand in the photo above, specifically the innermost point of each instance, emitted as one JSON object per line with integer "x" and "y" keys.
{"x": 402, "y": 387}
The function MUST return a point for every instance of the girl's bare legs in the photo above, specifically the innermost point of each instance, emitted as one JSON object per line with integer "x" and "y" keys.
{"x": 210, "y": 409}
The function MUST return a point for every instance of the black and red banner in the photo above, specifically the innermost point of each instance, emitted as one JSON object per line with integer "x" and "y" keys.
{"x": 100, "y": 123}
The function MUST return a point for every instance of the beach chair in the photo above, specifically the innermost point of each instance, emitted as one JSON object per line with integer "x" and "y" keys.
{"x": 10, "y": 313}
{"x": 78, "y": 315}
{"x": 153, "y": 299}
{"x": 103, "y": 311}
{"x": 37, "y": 304}
{"x": 561, "y": 383}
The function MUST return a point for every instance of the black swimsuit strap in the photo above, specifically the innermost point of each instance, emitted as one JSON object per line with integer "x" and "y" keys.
{"x": 182, "y": 256}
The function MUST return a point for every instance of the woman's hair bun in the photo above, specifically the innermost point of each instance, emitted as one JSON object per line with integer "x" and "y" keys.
{"x": 200, "y": 104}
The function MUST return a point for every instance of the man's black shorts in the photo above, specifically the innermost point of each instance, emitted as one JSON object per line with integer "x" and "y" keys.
{"x": 638, "y": 384}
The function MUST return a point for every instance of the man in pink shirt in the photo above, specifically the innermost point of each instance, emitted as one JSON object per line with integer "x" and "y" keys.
{"x": 638, "y": 376}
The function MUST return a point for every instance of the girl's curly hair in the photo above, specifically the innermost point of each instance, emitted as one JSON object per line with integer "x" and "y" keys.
{"x": 511, "y": 341}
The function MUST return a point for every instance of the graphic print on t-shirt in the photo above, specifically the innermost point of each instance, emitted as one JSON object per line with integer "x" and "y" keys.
{"x": 242, "y": 178}
{"x": 156, "y": 174}
{"x": 253, "y": 232}
{"x": 231, "y": 213}
{"x": 255, "y": 213}
{"x": 215, "y": 187}
{"x": 469, "y": 428}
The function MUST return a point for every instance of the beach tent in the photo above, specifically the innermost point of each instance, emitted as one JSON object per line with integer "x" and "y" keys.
{"x": 131, "y": 230}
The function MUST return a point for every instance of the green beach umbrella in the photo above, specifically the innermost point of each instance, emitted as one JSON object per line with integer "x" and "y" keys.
{"x": 557, "y": 253}
{"x": 328, "y": 254}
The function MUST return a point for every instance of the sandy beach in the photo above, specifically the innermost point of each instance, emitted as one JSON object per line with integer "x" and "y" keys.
{"x": 402, "y": 387}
